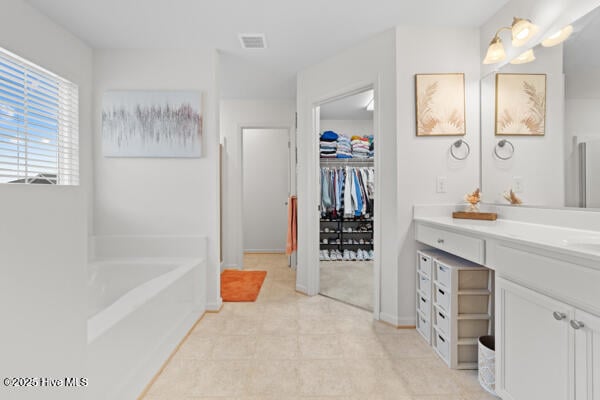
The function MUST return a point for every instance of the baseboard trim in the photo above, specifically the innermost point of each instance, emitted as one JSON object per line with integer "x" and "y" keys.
{"x": 264, "y": 251}
{"x": 214, "y": 307}
{"x": 400, "y": 323}
{"x": 230, "y": 266}
{"x": 302, "y": 289}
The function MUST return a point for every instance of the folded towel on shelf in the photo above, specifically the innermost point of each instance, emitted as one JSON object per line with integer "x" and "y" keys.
{"x": 343, "y": 155}
{"x": 329, "y": 136}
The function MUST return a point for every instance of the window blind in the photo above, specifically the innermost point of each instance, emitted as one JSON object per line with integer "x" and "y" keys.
{"x": 39, "y": 124}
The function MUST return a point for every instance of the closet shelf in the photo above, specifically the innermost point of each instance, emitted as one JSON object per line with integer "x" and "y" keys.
{"x": 467, "y": 341}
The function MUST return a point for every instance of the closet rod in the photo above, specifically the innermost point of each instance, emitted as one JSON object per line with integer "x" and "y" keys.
{"x": 347, "y": 161}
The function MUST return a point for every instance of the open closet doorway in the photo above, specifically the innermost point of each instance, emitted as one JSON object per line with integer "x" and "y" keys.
{"x": 347, "y": 188}
{"x": 266, "y": 188}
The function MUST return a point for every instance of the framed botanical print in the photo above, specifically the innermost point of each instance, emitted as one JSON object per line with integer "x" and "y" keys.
{"x": 521, "y": 104}
{"x": 440, "y": 104}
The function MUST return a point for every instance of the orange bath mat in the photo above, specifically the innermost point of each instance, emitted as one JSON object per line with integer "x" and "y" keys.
{"x": 241, "y": 285}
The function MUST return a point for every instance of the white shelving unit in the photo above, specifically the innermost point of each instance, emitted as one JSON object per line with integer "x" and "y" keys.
{"x": 454, "y": 306}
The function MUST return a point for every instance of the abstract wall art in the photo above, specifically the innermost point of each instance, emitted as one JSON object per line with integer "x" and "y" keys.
{"x": 152, "y": 124}
{"x": 520, "y": 104}
{"x": 440, "y": 104}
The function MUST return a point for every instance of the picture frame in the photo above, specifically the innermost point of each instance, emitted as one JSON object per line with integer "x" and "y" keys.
{"x": 440, "y": 104}
{"x": 152, "y": 123}
{"x": 520, "y": 104}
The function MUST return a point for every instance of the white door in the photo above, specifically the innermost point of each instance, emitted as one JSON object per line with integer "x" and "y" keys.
{"x": 587, "y": 356}
{"x": 533, "y": 345}
{"x": 266, "y": 165}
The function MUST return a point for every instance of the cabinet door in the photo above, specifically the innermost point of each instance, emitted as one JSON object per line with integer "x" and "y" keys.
{"x": 587, "y": 356}
{"x": 534, "y": 345}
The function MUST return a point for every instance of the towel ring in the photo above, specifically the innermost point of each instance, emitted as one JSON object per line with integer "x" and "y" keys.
{"x": 458, "y": 144}
{"x": 501, "y": 145}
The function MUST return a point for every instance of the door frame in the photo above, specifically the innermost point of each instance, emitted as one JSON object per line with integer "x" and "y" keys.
{"x": 313, "y": 270}
{"x": 291, "y": 172}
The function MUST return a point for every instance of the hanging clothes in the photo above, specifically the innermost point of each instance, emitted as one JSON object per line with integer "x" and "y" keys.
{"x": 347, "y": 191}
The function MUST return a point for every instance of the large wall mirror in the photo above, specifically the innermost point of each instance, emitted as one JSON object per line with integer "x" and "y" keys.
{"x": 541, "y": 123}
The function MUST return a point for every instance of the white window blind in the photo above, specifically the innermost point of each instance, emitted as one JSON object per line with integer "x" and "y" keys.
{"x": 39, "y": 124}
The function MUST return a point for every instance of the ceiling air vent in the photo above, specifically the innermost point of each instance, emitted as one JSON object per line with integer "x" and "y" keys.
{"x": 253, "y": 41}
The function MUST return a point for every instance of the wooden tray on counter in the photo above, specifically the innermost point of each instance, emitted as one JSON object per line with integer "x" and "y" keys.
{"x": 482, "y": 216}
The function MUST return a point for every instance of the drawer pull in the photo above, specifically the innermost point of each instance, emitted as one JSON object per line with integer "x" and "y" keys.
{"x": 423, "y": 300}
{"x": 441, "y": 292}
{"x": 441, "y": 315}
{"x": 424, "y": 259}
{"x": 441, "y": 338}
{"x": 559, "y": 316}
{"x": 440, "y": 241}
{"x": 576, "y": 324}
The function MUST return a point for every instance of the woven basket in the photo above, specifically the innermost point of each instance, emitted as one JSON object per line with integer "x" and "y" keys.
{"x": 487, "y": 364}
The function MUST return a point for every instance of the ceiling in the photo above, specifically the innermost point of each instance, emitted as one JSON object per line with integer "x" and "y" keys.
{"x": 299, "y": 33}
{"x": 349, "y": 108}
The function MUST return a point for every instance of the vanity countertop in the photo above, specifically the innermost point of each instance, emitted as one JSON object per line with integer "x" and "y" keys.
{"x": 573, "y": 242}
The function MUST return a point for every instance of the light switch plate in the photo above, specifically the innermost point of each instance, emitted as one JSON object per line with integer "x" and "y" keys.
{"x": 517, "y": 186}
{"x": 441, "y": 184}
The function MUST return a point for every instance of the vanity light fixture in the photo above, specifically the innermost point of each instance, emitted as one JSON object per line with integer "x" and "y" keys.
{"x": 521, "y": 29}
{"x": 495, "y": 51}
{"x": 558, "y": 37}
{"x": 524, "y": 58}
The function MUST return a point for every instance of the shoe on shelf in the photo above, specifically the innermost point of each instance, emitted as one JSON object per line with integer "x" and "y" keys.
{"x": 359, "y": 255}
{"x": 346, "y": 256}
{"x": 326, "y": 255}
{"x": 352, "y": 255}
{"x": 321, "y": 255}
{"x": 371, "y": 255}
{"x": 339, "y": 256}
{"x": 325, "y": 241}
{"x": 361, "y": 241}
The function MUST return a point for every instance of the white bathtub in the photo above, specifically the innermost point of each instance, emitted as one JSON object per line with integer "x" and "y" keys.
{"x": 139, "y": 310}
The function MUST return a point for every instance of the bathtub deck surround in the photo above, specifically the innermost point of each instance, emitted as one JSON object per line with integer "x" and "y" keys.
{"x": 547, "y": 304}
{"x": 145, "y": 294}
{"x": 290, "y": 346}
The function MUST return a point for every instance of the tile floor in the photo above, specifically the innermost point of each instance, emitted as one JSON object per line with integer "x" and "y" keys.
{"x": 290, "y": 346}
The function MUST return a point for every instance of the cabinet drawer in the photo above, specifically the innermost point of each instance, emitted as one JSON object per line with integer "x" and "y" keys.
{"x": 464, "y": 246}
{"x": 424, "y": 263}
{"x": 424, "y": 285}
{"x": 424, "y": 306}
{"x": 424, "y": 327}
{"x": 442, "y": 298}
{"x": 441, "y": 345}
{"x": 441, "y": 321}
{"x": 443, "y": 275}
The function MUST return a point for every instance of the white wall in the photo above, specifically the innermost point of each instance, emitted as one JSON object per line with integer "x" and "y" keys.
{"x": 348, "y": 127}
{"x": 146, "y": 196}
{"x": 43, "y": 230}
{"x": 370, "y": 62}
{"x": 422, "y": 159}
{"x": 266, "y": 158}
{"x": 235, "y": 115}
{"x": 539, "y": 161}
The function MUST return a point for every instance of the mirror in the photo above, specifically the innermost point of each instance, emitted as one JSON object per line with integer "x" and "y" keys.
{"x": 540, "y": 124}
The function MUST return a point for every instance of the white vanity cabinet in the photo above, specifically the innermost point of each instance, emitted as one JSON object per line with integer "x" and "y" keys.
{"x": 587, "y": 356}
{"x": 534, "y": 345}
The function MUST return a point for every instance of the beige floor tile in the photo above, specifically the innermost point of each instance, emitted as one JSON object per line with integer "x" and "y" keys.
{"x": 320, "y": 347}
{"x": 406, "y": 344}
{"x": 288, "y": 346}
{"x": 276, "y": 347}
{"x": 274, "y": 377}
{"x": 361, "y": 347}
{"x": 221, "y": 378}
{"x": 324, "y": 378}
{"x": 279, "y": 326}
{"x": 234, "y": 347}
{"x": 427, "y": 376}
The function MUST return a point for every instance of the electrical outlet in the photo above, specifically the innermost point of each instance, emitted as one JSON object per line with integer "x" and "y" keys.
{"x": 517, "y": 184}
{"x": 441, "y": 184}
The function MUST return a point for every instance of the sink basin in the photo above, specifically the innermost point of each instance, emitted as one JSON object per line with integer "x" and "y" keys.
{"x": 589, "y": 243}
